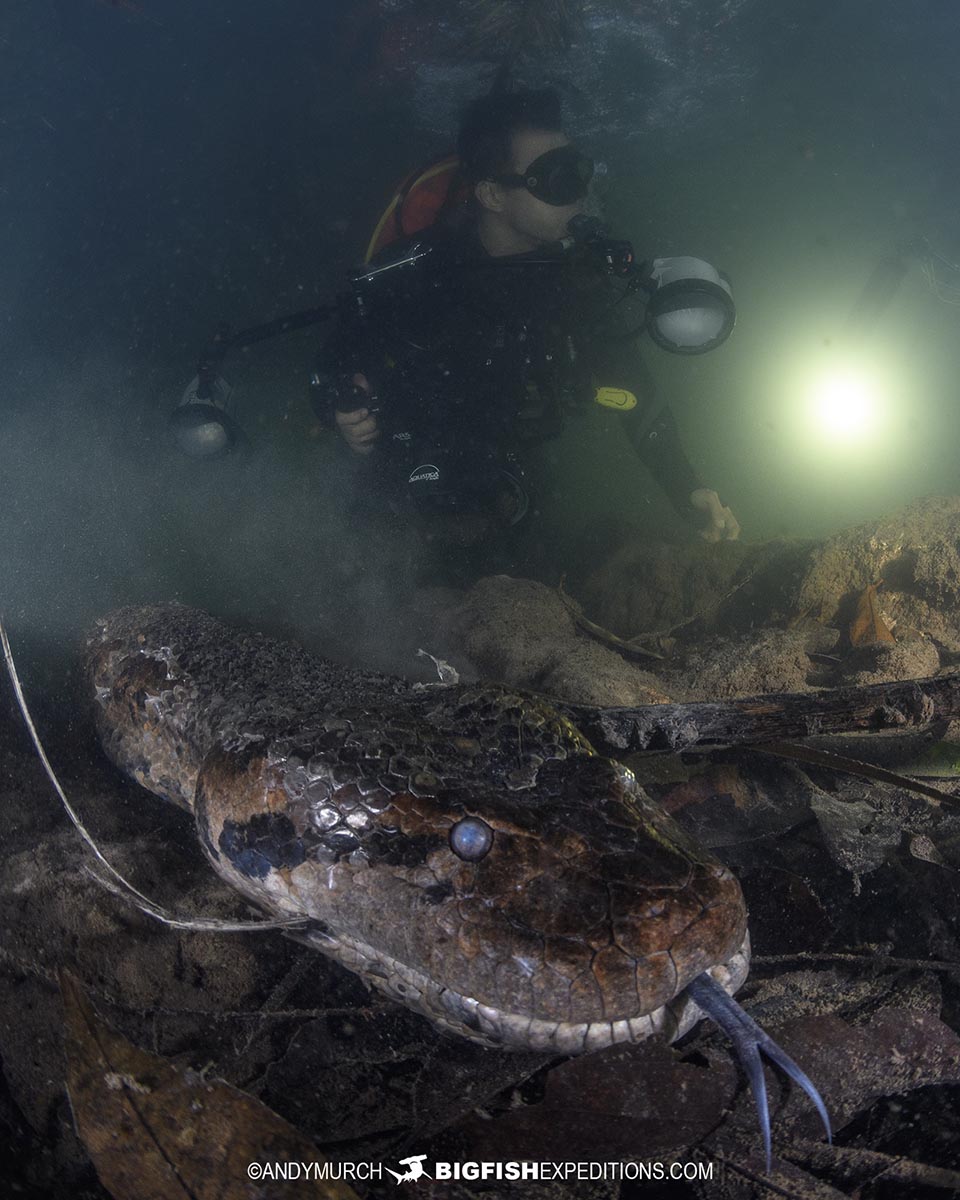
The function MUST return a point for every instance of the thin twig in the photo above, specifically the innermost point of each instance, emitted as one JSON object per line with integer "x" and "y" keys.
{"x": 628, "y": 649}
{"x": 870, "y": 1166}
{"x": 854, "y": 766}
{"x": 118, "y": 885}
{"x": 633, "y": 647}
{"x": 196, "y": 924}
{"x": 837, "y": 956}
{"x": 775, "y": 1183}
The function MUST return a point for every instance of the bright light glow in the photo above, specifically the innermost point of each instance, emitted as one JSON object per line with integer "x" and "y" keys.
{"x": 841, "y": 418}
{"x": 845, "y": 404}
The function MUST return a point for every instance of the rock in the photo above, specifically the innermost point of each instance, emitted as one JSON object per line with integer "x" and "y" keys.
{"x": 521, "y": 634}
{"x": 591, "y": 674}
{"x": 916, "y": 555}
{"x": 512, "y": 629}
{"x": 915, "y": 658}
{"x": 650, "y": 587}
{"x": 770, "y": 660}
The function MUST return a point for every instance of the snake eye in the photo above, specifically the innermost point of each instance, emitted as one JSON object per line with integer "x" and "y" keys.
{"x": 471, "y": 839}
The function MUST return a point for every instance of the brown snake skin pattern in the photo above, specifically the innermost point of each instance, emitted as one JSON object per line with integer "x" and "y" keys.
{"x": 463, "y": 848}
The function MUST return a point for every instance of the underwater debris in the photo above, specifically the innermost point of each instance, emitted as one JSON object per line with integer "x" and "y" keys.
{"x": 446, "y": 672}
{"x": 852, "y": 766}
{"x": 608, "y": 1104}
{"x": 868, "y": 627}
{"x": 629, "y": 647}
{"x": 155, "y": 1129}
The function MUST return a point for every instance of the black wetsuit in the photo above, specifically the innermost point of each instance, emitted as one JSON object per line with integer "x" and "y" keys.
{"x": 473, "y": 359}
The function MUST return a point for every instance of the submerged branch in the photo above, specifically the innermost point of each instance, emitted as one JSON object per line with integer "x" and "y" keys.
{"x": 784, "y": 716}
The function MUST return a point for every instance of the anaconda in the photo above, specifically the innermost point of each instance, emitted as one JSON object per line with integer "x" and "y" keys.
{"x": 463, "y": 848}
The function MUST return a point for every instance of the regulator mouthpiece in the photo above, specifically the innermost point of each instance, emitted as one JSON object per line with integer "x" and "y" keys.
{"x": 583, "y": 228}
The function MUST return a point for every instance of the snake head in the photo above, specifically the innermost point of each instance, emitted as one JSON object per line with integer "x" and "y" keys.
{"x": 476, "y": 860}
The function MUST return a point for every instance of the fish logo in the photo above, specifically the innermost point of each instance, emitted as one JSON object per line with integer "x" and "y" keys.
{"x": 414, "y": 1171}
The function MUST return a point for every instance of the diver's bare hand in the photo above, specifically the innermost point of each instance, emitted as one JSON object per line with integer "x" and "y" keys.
{"x": 721, "y": 525}
{"x": 359, "y": 428}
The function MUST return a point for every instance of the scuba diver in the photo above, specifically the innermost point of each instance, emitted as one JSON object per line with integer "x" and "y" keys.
{"x": 470, "y": 342}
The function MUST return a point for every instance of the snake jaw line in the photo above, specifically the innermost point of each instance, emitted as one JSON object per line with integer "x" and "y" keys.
{"x": 488, "y": 1026}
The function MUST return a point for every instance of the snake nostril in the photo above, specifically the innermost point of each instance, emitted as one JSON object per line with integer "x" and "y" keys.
{"x": 471, "y": 839}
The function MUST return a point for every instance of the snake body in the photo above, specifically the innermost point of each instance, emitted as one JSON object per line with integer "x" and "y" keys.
{"x": 463, "y": 848}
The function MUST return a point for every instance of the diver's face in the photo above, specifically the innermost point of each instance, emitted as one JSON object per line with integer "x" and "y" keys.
{"x": 531, "y": 219}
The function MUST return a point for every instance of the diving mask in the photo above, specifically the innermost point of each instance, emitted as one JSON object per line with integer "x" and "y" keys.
{"x": 558, "y": 177}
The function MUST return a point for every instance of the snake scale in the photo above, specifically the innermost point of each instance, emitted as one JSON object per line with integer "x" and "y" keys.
{"x": 463, "y": 848}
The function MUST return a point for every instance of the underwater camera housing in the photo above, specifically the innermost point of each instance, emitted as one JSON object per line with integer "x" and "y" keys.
{"x": 690, "y": 307}
{"x": 202, "y": 424}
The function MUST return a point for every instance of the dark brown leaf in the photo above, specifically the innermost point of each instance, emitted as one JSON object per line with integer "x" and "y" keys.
{"x": 727, "y": 805}
{"x": 624, "y": 1102}
{"x": 897, "y": 1051}
{"x": 155, "y": 1131}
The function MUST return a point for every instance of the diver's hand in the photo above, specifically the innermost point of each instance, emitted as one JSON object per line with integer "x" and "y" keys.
{"x": 721, "y": 525}
{"x": 359, "y": 428}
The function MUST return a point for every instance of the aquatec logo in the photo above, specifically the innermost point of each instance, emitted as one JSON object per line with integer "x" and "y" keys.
{"x": 425, "y": 472}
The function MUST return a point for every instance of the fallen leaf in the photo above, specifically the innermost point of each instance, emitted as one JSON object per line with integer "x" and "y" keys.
{"x": 727, "y": 806}
{"x": 923, "y": 847}
{"x": 646, "y": 1101}
{"x": 896, "y": 1051}
{"x": 772, "y": 891}
{"x": 627, "y": 1101}
{"x": 155, "y": 1131}
{"x": 868, "y": 628}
